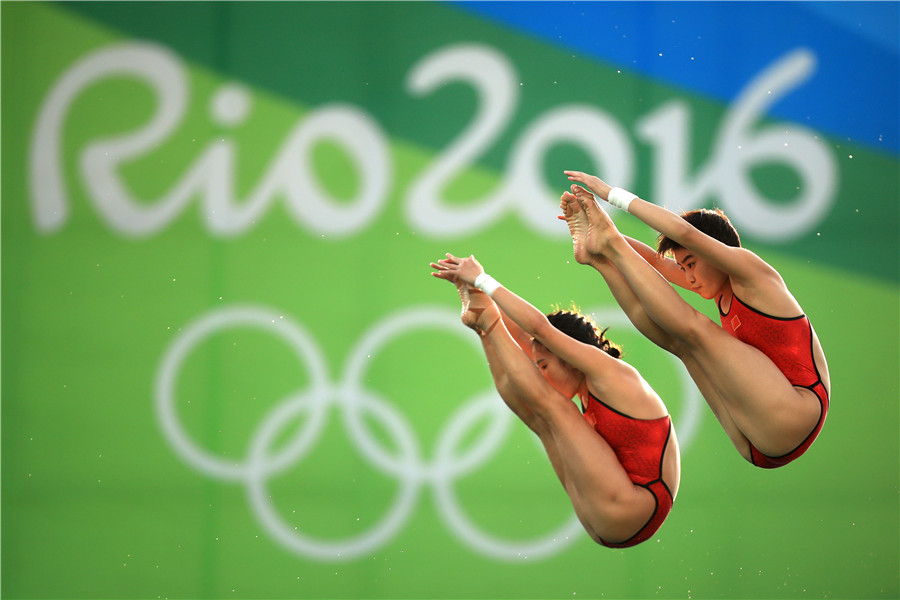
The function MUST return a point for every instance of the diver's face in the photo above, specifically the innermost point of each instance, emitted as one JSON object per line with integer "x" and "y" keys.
{"x": 702, "y": 277}
{"x": 564, "y": 378}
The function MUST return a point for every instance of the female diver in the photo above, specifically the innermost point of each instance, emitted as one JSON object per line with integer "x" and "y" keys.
{"x": 618, "y": 461}
{"x": 763, "y": 372}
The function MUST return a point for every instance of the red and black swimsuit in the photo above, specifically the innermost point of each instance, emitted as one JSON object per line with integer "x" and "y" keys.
{"x": 788, "y": 342}
{"x": 640, "y": 445}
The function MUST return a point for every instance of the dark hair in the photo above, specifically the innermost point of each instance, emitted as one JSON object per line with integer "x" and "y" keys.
{"x": 577, "y": 326}
{"x": 713, "y": 223}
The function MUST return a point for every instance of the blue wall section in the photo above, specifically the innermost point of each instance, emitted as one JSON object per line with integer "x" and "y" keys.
{"x": 715, "y": 47}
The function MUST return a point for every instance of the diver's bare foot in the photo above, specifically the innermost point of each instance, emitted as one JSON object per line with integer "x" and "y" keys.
{"x": 469, "y": 317}
{"x": 577, "y": 220}
{"x": 480, "y": 313}
{"x": 600, "y": 228}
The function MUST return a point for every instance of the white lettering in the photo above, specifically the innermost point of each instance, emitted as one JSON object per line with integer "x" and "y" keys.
{"x": 737, "y": 149}
{"x": 308, "y": 202}
{"x": 50, "y": 198}
{"x": 600, "y": 135}
{"x": 493, "y": 78}
{"x": 209, "y": 179}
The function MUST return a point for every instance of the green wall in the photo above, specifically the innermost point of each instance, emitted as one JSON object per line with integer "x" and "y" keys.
{"x": 227, "y": 373}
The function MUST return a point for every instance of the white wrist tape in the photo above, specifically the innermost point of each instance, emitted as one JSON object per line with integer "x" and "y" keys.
{"x": 621, "y": 198}
{"x": 486, "y": 284}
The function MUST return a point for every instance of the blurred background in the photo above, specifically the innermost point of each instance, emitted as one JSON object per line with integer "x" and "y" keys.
{"x": 227, "y": 373}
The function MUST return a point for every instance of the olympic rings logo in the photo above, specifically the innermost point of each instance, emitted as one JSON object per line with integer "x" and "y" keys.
{"x": 407, "y": 466}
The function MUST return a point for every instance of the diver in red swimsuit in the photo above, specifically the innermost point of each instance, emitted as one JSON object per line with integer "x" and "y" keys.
{"x": 619, "y": 460}
{"x": 789, "y": 344}
{"x": 640, "y": 445}
{"x": 763, "y": 372}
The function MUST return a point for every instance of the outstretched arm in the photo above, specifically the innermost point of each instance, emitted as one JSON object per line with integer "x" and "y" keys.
{"x": 522, "y": 337}
{"x": 507, "y": 360}
{"x": 662, "y": 220}
{"x": 742, "y": 265}
{"x": 573, "y": 214}
{"x": 533, "y": 322}
{"x": 474, "y": 303}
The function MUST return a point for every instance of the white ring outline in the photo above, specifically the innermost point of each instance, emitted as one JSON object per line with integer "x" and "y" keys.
{"x": 351, "y": 396}
{"x": 206, "y": 325}
{"x": 378, "y": 534}
{"x": 445, "y": 499}
{"x": 449, "y": 506}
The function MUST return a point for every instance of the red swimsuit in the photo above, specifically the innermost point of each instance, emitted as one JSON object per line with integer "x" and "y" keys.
{"x": 789, "y": 344}
{"x": 640, "y": 445}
